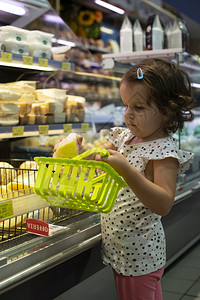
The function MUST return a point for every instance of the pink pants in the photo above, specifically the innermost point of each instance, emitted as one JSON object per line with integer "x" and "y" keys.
{"x": 144, "y": 287}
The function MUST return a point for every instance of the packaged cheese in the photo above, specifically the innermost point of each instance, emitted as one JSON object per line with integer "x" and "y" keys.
{"x": 67, "y": 148}
{"x": 7, "y": 173}
{"x": 7, "y": 107}
{"x": 9, "y": 119}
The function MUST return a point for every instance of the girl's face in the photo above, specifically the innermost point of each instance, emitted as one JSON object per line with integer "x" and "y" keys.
{"x": 144, "y": 121}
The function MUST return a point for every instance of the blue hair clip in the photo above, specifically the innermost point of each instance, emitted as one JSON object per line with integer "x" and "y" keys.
{"x": 139, "y": 73}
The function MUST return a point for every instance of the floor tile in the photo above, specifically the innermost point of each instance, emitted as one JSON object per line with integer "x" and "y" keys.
{"x": 194, "y": 290}
{"x": 196, "y": 251}
{"x": 171, "y": 296}
{"x": 183, "y": 272}
{"x": 175, "y": 285}
{"x": 190, "y": 261}
{"x": 189, "y": 298}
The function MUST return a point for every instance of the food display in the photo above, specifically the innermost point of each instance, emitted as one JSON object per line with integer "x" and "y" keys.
{"x": 26, "y": 42}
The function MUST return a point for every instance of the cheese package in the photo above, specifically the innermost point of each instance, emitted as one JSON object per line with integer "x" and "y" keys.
{"x": 7, "y": 107}
{"x": 28, "y": 86}
{"x": 25, "y": 108}
{"x": 40, "y": 38}
{"x": 67, "y": 148}
{"x": 9, "y": 119}
{"x": 8, "y": 94}
{"x": 26, "y": 166}
{"x": 37, "y": 50}
{"x": 23, "y": 182}
{"x": 13, "y": 33}
{"x": 7, "y": 173}
{"x": 27, "y": 96}
{"x": 74, "y": 108}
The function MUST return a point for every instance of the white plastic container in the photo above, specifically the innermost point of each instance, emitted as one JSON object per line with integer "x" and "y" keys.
{"x": 126, "y": 36}
{"x": 137, "y": 36}
{"x": 158, "y": 34}
{"x": 21, "y": 48}
{"x": 37, "y": 50}
{"x": 12, "y": 33}
{"x": 40, "y": 37}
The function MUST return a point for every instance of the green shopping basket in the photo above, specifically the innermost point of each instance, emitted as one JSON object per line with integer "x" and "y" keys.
{"x": 78, "y": 184}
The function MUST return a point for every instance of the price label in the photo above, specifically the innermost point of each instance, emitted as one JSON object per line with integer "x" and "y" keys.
{"x": 6, "y": 57}
{"x": 66, "y": 66}
{"x": 84, "y": 127}
{"x": 6, "y": 209}
{"x": 18, "y": 131}
{"x": 43, "y": 129}
{"x": 67, "y": 127}
{"x": 27, "y": 60}
{"x": 43, "y": 62}
{"x": 38, "y": 227}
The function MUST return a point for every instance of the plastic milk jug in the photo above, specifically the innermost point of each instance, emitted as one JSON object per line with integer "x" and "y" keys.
{"x": 137, "y": 36}
{"x": 126, "y": 36}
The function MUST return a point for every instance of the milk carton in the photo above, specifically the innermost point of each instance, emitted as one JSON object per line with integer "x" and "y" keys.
{"x": 154, "y": 34}
{"x": 137, "y": 36}
{"x": 126, "y": 36}
{"x": 167, "y": 36}
{"x": 179, "y": 35}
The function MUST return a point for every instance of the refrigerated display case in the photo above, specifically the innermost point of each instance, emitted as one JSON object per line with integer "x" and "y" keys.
{"x": 72, "y": 253}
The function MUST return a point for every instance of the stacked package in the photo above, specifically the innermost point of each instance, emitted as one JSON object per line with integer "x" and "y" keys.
{"x": 74, "y": 109}
{"x": 26, "y": 42}
{"x": 16, "y": 99}
{"x": 50, "y": 105}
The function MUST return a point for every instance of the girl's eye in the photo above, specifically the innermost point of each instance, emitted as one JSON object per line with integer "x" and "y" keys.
{"x": 138, "y": 107}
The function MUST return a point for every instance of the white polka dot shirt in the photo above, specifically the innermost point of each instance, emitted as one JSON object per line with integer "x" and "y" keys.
{"x": 133, "y": 239}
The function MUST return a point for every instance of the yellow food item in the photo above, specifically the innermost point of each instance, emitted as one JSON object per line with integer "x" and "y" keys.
{"x": 26, "y": 166}
{"x": 7, "y": 173}
{"x": 67, "y": 148}
{"x": 12, "y": 222}
{"x": 23, "y": 182}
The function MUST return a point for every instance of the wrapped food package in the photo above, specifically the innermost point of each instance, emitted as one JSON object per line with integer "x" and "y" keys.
{"x": 9, "y": 108}
{"x": 26, "y": 166}
{"x": 7, "y": 173}
{"x": 74, "y": 108}
{"x": 67, "y": 148}
{"x": 9, "y": 119}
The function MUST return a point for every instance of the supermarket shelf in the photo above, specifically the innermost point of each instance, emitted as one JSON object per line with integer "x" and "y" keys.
{"x": 35, "y": 130}
{"x": 35, "y": 63}
{"x": 140, "y": 55}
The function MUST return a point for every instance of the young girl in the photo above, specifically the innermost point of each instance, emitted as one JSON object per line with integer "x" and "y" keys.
{"x": 158, "y": 100}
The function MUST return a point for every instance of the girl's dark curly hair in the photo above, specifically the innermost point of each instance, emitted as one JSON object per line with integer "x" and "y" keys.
{"x": 170, "y": 89}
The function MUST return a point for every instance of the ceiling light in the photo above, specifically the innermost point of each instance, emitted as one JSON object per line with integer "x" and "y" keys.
{"x": 111, "y": 7}
{"x": 12, "y": 8}
{"x": 195, "y": 85}
{"x": 106, "y": 30}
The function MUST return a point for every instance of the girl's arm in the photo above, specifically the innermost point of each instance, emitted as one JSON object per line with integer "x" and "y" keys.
{"x": 158, "y": 194}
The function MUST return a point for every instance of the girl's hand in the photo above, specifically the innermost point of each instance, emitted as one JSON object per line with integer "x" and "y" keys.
{"x": 116, "y": 160}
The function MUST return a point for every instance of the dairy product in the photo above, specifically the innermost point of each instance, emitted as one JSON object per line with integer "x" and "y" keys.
{"x": 126, "y": 36}
{"x": 67, "y": 148}
{"x": 137, "y": 36}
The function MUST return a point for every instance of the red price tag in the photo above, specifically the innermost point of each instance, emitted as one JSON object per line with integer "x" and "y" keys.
{"x": 38, "y": 227}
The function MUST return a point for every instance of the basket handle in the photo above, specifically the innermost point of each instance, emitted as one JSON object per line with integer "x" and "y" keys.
{"x": 103, "y": 152}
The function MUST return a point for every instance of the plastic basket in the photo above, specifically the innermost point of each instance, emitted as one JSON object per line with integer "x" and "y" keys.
{"x": 78, "y": 184}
